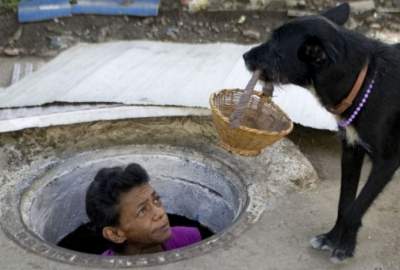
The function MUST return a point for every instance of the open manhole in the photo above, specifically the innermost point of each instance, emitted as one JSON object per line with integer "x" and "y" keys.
{"x": 44, "y": 209}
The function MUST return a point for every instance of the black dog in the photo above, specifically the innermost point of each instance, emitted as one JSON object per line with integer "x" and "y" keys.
{"x": 357, "y": 78}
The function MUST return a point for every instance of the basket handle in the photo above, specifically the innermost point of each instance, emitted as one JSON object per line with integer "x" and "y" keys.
{"x": 237, "y": 114}
{"x": 266, "y": 94}
{"x": 262, "y": 96}
{"x": 268, "y": 89}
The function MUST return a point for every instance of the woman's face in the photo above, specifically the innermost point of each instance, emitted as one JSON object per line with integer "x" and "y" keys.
{"x": 143, "y": 220}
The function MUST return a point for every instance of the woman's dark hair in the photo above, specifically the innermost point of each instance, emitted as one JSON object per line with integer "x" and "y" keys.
{"x": 103, "y": 194}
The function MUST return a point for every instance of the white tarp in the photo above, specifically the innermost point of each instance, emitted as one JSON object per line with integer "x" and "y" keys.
{"x": 152, "y": 73}
{"x": 45, "y": 117}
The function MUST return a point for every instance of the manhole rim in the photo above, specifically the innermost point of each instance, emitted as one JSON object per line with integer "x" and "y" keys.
{"x": 27, "y": 239}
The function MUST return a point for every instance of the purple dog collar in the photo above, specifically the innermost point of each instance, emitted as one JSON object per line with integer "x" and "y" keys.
{"x": 346, "y": 122}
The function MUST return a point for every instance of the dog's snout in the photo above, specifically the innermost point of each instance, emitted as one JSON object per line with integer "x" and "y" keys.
{"x": 254, "y": 56}
{"x": 248, "y": 60}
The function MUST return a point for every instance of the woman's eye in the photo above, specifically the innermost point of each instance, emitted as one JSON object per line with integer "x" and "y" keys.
{"x": 141, "y": 211}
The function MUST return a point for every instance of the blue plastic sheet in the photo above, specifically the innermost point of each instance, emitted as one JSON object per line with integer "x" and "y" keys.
{"x": 38, "y": 10}
{"x": 117, "y": 7}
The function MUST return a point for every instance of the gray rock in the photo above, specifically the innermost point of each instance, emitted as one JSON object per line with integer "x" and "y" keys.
{"x": 163, "y": 21}
{"x": 60, "y": 42}
{"x": 31, "y": 51}
{"x": 242, "y": 19}
{"x": 172, "y": 33}
{"x": 295, "y": 3}
{"x": 287, "y": 168}
{"x": 394, "y": 26}
{"x": 56, "y": 43}
{"x": 276, "y": 5}
{"x": 17, "y": 35}
{"x": 215, "y": 29}
{"x": 375, "y": 26}
{"x": 258, "y": 4}
{"x": 201, "y": 32}
{"x": 48, "y": 53}
{"x": 252, "y": 34}
{"x": 154, "y": 30}
{"x": 86, "y": 33}
{"x": 362, "y": 6}
{"x": 351, "y": 23}
{"x": 11, "y": 51}
{"x": 299, "y": 13}
{"x": 148, "y": 21}
{"x": 391, "y": 10}
{"x": 197, "y": 5}
{"x": 103, "y": 34}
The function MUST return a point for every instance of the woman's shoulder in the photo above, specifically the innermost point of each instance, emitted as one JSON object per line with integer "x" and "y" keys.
{"x": 108, "y": 252}
{"x": 182, "y": 236}
{"x": 191, "y": 232}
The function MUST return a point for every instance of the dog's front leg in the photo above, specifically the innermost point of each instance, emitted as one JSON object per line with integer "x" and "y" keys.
{"x": 381, "y": 173}
{"x": 352, "y": 160}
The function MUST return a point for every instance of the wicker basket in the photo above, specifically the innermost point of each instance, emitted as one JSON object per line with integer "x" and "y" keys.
{"x": 263, "y": 122}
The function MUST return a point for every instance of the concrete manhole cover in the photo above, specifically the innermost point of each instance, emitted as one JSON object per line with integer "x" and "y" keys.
{"x": 43, "y": 209}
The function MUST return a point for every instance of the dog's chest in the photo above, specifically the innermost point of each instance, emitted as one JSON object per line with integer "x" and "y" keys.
{"x": 351, "y": 135}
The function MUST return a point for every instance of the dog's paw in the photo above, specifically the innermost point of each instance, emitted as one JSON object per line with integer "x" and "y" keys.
{"x": 322, "y": 242}
{"x": 340, "y": 255}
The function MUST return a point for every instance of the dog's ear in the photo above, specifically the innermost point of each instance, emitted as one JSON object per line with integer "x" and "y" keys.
{"x": 339, "y": 14}
{"x": 316, "y": 52}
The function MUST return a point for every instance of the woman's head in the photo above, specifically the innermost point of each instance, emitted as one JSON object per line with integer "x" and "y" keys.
{"x": 123, "y": 206}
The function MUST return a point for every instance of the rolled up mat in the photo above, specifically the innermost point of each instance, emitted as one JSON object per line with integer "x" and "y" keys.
{"x": 39, "y": 10}
{"x": 117, "y": 7}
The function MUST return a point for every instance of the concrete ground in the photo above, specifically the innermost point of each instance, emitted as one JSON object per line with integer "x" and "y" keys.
{"x": 302, "y": 215}
{"x": 280, "y": 239}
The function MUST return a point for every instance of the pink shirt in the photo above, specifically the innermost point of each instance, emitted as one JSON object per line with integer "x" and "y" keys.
{"x": 180, "y": 237}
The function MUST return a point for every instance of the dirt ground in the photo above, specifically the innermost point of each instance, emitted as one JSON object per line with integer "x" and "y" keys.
{"x": 174, "y": 23}
{"x": 171, "y": 25}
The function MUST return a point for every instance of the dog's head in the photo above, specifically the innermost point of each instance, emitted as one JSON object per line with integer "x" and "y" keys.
{"x": 300, "y": 47}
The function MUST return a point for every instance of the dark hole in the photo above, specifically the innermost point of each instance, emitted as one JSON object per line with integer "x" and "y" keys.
{"x": 84, "y": 239}
{"x": 177, "y": 220}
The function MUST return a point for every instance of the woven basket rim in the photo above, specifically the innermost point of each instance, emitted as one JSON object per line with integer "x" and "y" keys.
{"x": 245, "y": 128}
